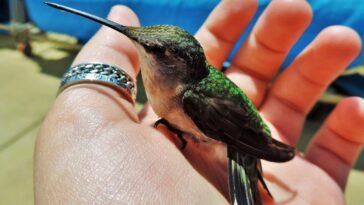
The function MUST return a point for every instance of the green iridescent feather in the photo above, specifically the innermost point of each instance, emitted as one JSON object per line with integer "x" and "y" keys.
{"x": 217, "y": 85}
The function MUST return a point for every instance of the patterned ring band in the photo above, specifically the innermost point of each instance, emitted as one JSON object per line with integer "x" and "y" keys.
{"x": 100, "y": 73}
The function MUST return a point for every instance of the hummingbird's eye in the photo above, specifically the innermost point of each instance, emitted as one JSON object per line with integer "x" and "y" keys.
{"x": 156, "y": 49}
{"x": 170, "y": 69}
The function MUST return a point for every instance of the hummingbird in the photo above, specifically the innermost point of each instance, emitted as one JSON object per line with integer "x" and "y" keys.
{"x": 193, "y": 97}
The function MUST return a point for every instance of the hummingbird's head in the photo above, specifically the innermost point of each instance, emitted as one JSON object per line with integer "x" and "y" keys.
{"x": 170, "y": 52}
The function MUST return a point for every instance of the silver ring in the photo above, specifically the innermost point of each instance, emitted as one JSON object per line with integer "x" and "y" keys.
{"x": 100, "y": 73}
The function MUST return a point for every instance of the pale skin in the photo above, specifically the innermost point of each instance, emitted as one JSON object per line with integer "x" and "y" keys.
{"x": 94, "y": 148}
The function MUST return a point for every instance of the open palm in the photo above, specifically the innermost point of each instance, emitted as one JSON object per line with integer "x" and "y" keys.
{"x": 94, "y": 148}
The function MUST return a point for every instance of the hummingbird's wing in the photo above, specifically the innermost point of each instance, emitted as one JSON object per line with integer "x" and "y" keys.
{"x": 231, "y": 118}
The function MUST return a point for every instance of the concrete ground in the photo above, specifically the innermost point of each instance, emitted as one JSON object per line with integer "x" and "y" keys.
{"x": 28, "y": 87}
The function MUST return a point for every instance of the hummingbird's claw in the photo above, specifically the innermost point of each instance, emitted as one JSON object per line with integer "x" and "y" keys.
{"x": 183, "y": 141}
{"x": 174, "y": 130}
{"x": 161, "y": 121}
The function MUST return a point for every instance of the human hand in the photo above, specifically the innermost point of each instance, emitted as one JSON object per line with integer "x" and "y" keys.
{"x": 94, "y": 148}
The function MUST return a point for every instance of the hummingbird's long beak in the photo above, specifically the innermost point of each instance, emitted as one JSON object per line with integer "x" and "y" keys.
{"x": 100, "y": 20}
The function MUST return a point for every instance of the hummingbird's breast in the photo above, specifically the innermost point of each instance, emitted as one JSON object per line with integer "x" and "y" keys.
{"x": 166, "y": 101}
{"x": 165, "y": 96}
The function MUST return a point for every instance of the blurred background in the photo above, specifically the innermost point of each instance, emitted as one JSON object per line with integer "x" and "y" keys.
{"x": 38, "y": 43}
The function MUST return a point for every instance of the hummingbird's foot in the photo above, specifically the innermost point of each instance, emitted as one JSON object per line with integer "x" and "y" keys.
{"x": 183, "y": 141}
{"x": 162, "y": 121}
{"x": 176, "y": 131}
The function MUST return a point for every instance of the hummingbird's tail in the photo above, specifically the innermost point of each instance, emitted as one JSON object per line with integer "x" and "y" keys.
{"x": 244, "y": 174}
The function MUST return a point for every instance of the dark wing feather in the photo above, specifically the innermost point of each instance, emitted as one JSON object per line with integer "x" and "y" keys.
{"x": 230, "y": 121}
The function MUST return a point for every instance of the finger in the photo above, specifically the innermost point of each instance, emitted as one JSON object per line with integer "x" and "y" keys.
{"x": 264, "y": 51}
{"x": 223, "y": 28}
{"x": 336, "y": 146}
{"x": 110, "y": 47}
{"x": 298, "y": 88}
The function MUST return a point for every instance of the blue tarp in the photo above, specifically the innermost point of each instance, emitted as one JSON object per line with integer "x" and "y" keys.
{"x": 190, "y": 14}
